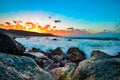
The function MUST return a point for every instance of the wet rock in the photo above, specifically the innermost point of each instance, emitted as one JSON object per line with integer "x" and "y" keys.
{"x": 57, "y": 51}
{"x": 49, "y": 64}
{"x": 34, "y": 50}
{"x": 54, "y": 39}
{"x": 117, "y": 56}
{"x": 38, "y": 60}
{"x": 56, "y": 55}
{"x": 98, "y": 54}
{"x": 9, "y": 45}
{"x": 42, "y": 60}
{"x": 21, "y": 68}
{"x": 75, "y": 55}
{"x": 69, "y": 39}
{"x": 63, "y": 62}
{"x": 99, "y": 67}
{"x": 64, "y": 73}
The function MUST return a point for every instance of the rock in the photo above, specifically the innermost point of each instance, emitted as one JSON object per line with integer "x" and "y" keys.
{"x": 56, "y": 55}
{"x": 9, "y": 45}
{"x": 54, "y": 39}
{"x": 38, "y": 60}
{"x": 63, "y": 62}
{"x": 34, "y": 50}
{"x": 117, "y": 56}
{"x": 98, "y": 54}
{"x": 47, "y": 62}
{"x": 21, "y": 68}
{"x": 37, "y": 54}
{"x": 57, "y": 51}
{"x": 64, "y": 73}
{"x": 50, "y": 66}
{"x": 99, "y": 67}
{"x": 75, "y": 55}
{"x": 57, "y": 58}
{"x": 42, "y": 60}
{"x": 69, "y": 39}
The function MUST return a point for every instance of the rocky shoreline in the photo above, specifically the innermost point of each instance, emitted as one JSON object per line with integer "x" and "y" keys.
{"x": 16, "y": 64}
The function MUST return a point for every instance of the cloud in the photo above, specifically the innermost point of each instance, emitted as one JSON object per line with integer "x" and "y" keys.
{"x": 57, "y": 21}
{"x": 30, "y": 26}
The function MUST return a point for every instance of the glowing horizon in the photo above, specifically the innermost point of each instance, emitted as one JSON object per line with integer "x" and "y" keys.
{"x": 42, "y": 18}
{"x": 81, "y": 16}
{"x": 36, "y": 27}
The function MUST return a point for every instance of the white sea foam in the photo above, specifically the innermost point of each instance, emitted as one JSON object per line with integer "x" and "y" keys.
{"x": 110, "y": 47}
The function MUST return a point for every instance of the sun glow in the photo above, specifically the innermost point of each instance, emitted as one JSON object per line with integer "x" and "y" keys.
{"x": 36, "y": 27}
{"x": 26, "y": 26}
{"x": 36, "y": 30}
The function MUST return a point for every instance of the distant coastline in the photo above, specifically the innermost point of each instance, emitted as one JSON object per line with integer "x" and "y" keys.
{"x": 21, "y": 33}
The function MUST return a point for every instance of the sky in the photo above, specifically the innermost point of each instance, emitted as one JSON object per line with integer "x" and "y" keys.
{"x": 77, "y": 16}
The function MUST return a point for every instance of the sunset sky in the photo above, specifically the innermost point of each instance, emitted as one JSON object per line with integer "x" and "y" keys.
{"x": 71, "y": 17}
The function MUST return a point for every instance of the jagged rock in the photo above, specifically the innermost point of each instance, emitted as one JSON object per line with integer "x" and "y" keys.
{"x": 9, "y": 45}
{"x": 64, "y": 73}
{"x": 21, "y": 68}
{"x": 75, "y": 55}
{"x": 57, "y": 51}
{"x": 99, "y": 67}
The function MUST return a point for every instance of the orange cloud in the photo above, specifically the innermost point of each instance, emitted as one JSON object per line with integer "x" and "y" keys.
{"x": 30, "y": 26}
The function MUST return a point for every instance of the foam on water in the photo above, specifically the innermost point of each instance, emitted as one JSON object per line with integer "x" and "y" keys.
{"x": 110, "y": 47}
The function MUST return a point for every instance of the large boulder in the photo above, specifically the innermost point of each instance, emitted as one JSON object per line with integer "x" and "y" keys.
{"x": 9, "y": 45}
{"x": 21, "y": 68}
{"x": 64, "y": 73}
{"x": 99, "y": 67}
{"x": 57, "y": 51}
{"x": 37, "y": 59}
{"x": 42, "y": 60}
{"x": 56, "y": 54}
{"x": 75, "y": 55}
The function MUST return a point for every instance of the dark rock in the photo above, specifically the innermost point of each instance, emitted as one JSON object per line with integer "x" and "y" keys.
{"x": 98, "y": 54}
{"x": 34, "y": 50}
{"x": 38, "y": 60}
{"x": 54, "y": 39}
{"x": 75, "y": 55}
{"x": 42, "y": 60}
{"x": 57, "y": 51}
{"x": 69, "y": 39}
{"x": 99, "y": 67}
{"x": 9, "y": 45}
{"x": 56, "y": 55}
{"x": 57, "y": 58}
{"x": 64, "y": 73}
{"x": 48, "y": 64}
{"x": 117, "y": 56}
{"x": 21, "y": 68}
{"x": 63, "y": 62}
